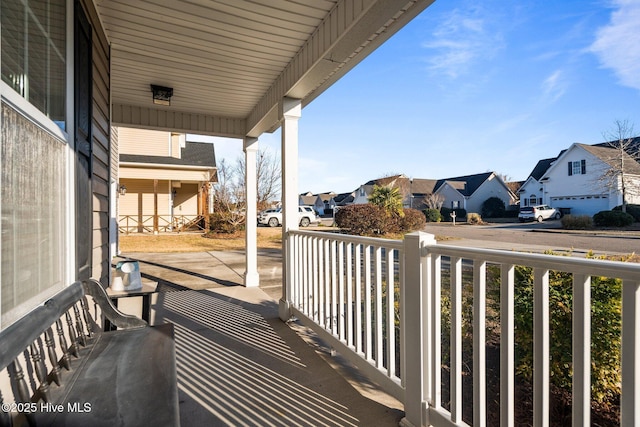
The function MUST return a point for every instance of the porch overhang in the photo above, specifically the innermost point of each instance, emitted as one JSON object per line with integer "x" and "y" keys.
{"x": 230, "y": 64}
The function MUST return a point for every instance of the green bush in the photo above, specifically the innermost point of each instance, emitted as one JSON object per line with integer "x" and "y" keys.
{"x": 633, "y": 210}
{"x": 606, "y": 329}
{"x": 432, "y": 215}
{"x": 493, "y": 207}
{"x": 474, "y": 218}
{"x": 577, "y": 222}
{"x": 612, "y": 219}
{"x": 461, "y": 214}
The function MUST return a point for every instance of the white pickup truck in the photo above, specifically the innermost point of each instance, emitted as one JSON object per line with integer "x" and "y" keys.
{"x": 273, "y": 217}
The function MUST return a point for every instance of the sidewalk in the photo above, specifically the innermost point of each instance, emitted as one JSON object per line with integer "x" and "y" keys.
{"x": 238, "y": 363}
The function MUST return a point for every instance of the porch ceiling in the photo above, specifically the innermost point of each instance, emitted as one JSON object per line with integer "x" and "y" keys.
{"x": 230, "y": 62}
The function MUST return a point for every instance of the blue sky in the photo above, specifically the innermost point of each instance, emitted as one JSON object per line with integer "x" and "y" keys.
{"x": 469, "y": 87}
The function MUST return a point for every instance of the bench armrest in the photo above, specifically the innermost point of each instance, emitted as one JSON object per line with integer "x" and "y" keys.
{"x": 123, "y": 321}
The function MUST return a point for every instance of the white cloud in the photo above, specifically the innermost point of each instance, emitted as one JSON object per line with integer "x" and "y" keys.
{"x": 554, "y": 86}
{"x": 463, "y": 38}
{"x": 617, "y": 44}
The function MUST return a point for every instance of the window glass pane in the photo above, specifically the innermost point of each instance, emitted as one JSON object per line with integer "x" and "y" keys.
{"x": 577, "y": 170}
{"x": 32, "y": 170}
{"x": 33, "y": 53}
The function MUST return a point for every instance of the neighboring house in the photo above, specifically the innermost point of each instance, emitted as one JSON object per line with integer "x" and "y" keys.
{"x": 471, "y": 191}
{"x": 532, "y": 191}
{"x": 344, "y": 199}
{"x": 166, "y": 181}
{"x": 364, "y": 191}
{"x": 465, "y": 192}
{"x": 575, "y": 180}
{"x": 322, "y": 202}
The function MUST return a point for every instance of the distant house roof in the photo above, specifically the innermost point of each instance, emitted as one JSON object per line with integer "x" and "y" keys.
{"x": 308, "y": 200}
{"x": 541, "y": 167}
{"x": 200, "y": 154}
{"x": 343, "y": 198}
{"x": 515, "y": 186}
{"x": 611, "y": 156}
{"x": 466, "y": 185}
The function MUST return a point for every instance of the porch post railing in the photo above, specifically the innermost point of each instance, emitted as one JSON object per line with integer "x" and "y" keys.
{"x": 630, "y": 399}
{"x": 414, "y": 303}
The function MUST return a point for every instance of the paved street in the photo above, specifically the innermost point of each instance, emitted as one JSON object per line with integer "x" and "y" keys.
{"x": 547, "y": 234}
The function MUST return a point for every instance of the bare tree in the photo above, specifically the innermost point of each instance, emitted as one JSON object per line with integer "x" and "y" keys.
{"x": 622, "y": 161}
{"x": 229, "y": 195}
{"x": 268, "y": 174}
{"x": 434, "y": 201}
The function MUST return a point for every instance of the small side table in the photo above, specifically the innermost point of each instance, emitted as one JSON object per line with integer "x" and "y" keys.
{"x": 145, "y": 292}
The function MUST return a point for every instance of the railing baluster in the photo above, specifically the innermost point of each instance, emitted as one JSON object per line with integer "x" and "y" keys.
{"x": 334, "y": 298}
{"x": 378, "y": 307}
{"x": 322, "y": 283}
{"x": 82, "y": 338}
{"x": 73, "y": 348}
{"x": 581, "y": 325}
{"x": 479, "y": 343}
{"x": 349, "y": 269}
{"x": 66, "y": 362}
{"x": 53, "y": 358}
{"x": 358, "y": 293}
{"x": 341, "y": 297}
{"x": 16, "y": 374}
{"x": 391, "y": 315}
{"x": 456, "y": 339}
{"x": 507, "y": 346}
{"x": 316, "y": 289}
{"x": 367, "y": 304}
{"x": 541, "y": 347}
{"x": 630, "y": 399}
{"x": 41, "y": 370}
{"x": 436, "y": 331}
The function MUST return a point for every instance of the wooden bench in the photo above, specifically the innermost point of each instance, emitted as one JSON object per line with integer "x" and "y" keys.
{"x": 64, "y": 370}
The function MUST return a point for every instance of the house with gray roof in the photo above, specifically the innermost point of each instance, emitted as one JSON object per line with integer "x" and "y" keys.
{"x": 586, "y": 179}
{"x": 164, "y": 180}
{"x": 466, "y": 192}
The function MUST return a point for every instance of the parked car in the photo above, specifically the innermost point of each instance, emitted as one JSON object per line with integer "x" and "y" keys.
{"x": 538, "y": 213}
{"x": 273, "y": 217}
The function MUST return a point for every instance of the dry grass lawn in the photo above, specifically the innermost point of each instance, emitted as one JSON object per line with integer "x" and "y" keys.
{"x": 268, "y": 238}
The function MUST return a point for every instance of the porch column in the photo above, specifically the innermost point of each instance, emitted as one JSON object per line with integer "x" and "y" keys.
{"x": 251, "y": 277}
{"x": 290, "y": 112}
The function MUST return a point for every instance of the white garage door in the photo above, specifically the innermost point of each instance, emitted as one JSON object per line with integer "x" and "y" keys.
{"x": 582, "y": 205}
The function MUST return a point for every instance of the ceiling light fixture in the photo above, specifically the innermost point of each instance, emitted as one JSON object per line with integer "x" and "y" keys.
{"x": 162, "y": 95}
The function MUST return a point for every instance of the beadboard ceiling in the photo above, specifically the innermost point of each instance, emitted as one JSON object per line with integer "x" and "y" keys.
{"x": 230, "y": 62}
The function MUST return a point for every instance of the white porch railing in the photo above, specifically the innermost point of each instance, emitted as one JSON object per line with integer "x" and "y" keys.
{"x": 352, "y": 291}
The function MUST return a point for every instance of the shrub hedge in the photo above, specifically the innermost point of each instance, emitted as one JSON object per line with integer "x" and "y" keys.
{"x": 474, "y": 218}
{"x": 633, "y": 210}
{"x": 372, "y": 220}
{"x": 493, "y": 207}
{"x": 612, "y": 219}
{"x": 461, "y": 214}
{"x": 577, "y": 222}
{"x": 432, "y": 215}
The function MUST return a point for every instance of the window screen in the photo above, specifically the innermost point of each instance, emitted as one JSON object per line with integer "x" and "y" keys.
{"x": 33, "y": 53}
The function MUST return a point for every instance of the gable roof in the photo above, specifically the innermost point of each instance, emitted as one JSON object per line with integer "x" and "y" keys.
{"x": 542, "y": 166}
{"x": 466, "y": 185}
{"x": 611, "y": 155}
{"x": 343, "y": 198}
{"x": 199, "y": 154}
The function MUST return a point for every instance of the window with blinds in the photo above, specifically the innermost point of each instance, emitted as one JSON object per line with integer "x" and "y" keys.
{"x": 33, "y": 192}
{"x": 34, "y": 53}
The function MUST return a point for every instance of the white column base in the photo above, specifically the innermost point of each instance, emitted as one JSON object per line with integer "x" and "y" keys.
{"x": 251, "y": 280}
{"x": 284, "y": 310}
